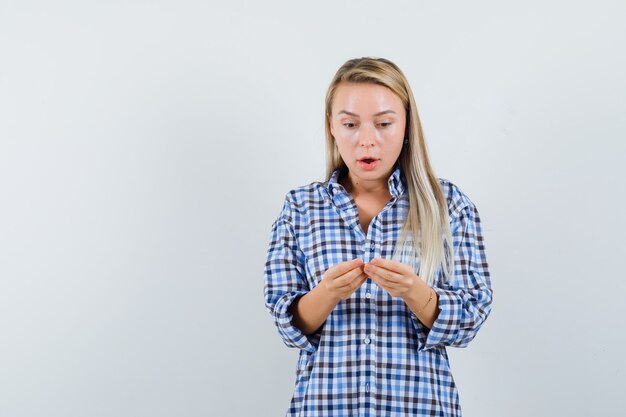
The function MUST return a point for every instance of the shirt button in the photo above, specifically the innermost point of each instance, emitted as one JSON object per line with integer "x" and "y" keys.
{"x": 368, "y": 295}
{"x": 367, "y": 387}
{"x": 367, "y": 340}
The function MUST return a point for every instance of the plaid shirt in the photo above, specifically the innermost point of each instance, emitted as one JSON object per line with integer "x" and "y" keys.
{"x": 372, "y": 356}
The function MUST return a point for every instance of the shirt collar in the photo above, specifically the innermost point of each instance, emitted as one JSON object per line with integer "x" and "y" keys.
{"x": 396, "y": 182}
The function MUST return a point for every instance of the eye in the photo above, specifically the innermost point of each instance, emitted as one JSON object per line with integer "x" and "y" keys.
{"x": 385, "y": 124}
{"x": 349, "y": 125}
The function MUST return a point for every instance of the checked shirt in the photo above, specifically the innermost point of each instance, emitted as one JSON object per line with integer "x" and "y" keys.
{"x": 372, "y": 356}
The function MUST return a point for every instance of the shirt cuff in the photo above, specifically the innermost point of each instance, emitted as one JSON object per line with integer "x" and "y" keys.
{"x": 444, "y": 330}
{"x": 290, "y": 334}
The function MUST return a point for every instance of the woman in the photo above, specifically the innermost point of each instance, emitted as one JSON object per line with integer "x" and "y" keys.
{"x": 370, "y": 312}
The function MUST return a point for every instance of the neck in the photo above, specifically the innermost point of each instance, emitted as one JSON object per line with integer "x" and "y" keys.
{"x": 358, "y": 187}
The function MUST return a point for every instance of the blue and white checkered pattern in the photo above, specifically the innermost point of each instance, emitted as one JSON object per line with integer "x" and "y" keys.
{"x": 372, "y": 356}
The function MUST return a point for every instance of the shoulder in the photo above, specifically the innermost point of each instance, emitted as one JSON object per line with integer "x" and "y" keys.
{"x": 457, "y": 200}
{"x": 299, "y": 200}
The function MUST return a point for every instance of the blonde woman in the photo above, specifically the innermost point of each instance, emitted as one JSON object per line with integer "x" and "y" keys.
{"x": 374, "y": 272}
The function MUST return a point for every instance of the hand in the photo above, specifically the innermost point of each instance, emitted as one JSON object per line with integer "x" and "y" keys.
{"x": 342, "y": 279}
{"x": 396, "y": 278}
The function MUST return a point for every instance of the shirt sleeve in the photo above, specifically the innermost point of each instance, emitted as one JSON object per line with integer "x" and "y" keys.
{"x": 285, "y": 280}
{"x": 464, "y": 303}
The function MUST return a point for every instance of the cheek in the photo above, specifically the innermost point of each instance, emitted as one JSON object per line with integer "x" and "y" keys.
{"x": 398, "y": 130}
{"x": 394, "y": 138}
{"x": 343, "y": 150}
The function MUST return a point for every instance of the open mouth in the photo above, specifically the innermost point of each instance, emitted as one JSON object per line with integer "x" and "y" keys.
{"x": 368, "y": 163}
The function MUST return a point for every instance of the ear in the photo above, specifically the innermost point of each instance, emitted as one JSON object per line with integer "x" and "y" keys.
{"x": 330, "y": 124}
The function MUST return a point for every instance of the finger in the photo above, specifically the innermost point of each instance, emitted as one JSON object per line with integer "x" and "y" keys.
{"x": 376, "y": 279}
{"x": 348, "y": 278}
{"x": 349, "y": 289}
{"x": 382, "y": 285}
{"x": 358, "y": 281}
{"x": 391, "y": 265}
{"x": 385, "y": 274}
{"x": 388, "y": 285}
{"x": 343, "y": 267}
{"x": 388, "y": 280}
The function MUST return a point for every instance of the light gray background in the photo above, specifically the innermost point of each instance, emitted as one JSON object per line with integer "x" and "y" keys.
{"x": 146, "y": 148}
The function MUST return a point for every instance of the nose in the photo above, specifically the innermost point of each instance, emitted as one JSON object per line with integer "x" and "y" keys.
{"x": 367, "y": 137}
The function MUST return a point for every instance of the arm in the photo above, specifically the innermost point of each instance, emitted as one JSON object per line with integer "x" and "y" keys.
{"x": 285, "y": 281}
{"x": 464, "y": 303}
{"x": 312, "y": 309}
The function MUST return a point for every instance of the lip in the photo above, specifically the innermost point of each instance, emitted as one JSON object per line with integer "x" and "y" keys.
{"x": 368, "y": 167}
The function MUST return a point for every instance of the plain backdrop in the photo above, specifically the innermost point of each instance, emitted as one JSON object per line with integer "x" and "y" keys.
{"x": 146, "y": 148}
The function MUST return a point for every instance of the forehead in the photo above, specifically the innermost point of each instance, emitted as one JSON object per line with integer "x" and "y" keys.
{"x": 364, "y": 98}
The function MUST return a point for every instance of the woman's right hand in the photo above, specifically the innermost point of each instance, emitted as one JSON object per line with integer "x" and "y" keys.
{"x": 338, "y": 282}
{"x": 342, "y": 279}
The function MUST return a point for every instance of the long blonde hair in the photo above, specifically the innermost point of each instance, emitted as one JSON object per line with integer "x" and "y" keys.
{"x": 428, "y": 209}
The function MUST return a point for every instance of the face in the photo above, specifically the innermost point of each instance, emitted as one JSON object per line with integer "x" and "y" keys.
{"x": 368, "y": 121}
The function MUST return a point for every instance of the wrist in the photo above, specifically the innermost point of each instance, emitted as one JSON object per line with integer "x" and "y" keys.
{"x": 415, "y": 295}
{"x": 326, "y": 294}
{"x": 420, "y": 296}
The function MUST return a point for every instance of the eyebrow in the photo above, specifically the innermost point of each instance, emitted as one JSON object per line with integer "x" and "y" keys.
{"x": 356, "y": 115}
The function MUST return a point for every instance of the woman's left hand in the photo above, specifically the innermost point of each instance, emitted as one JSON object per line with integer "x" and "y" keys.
{"x": 396, "y": 278}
